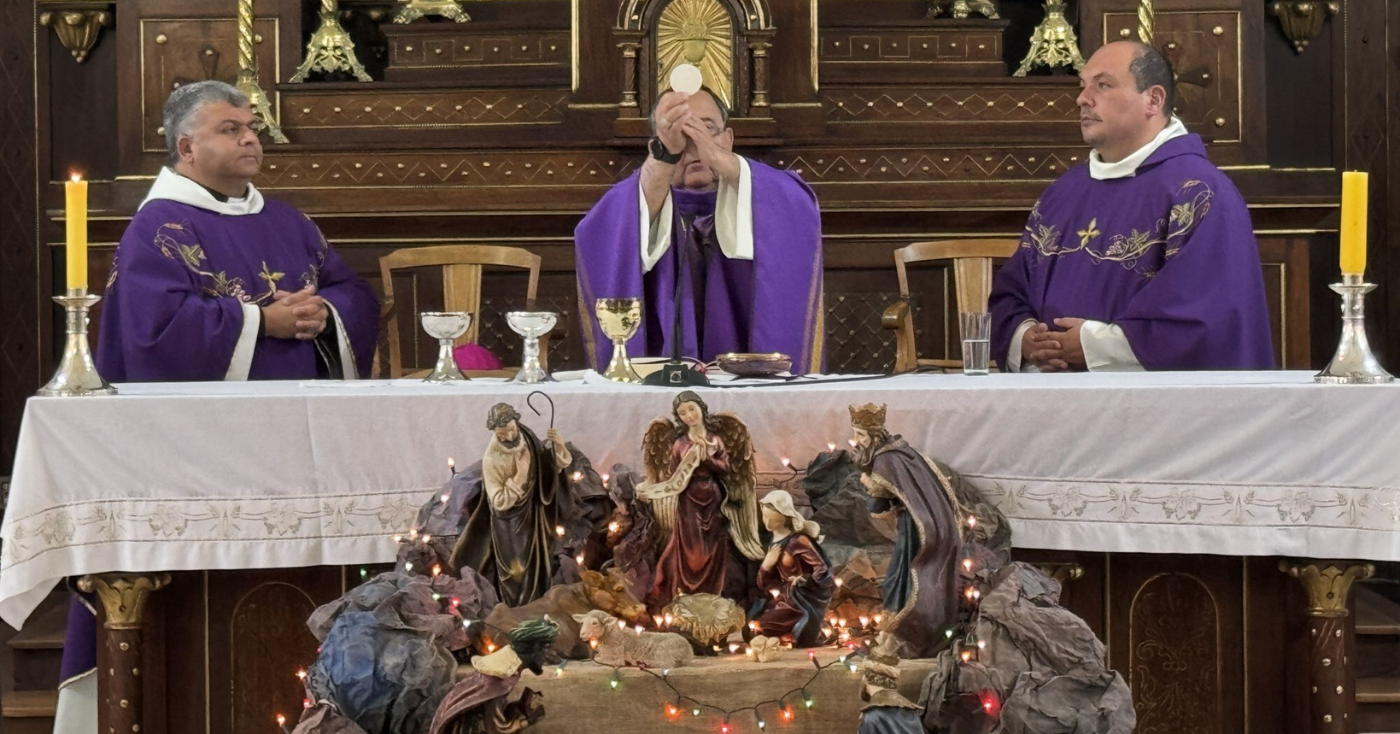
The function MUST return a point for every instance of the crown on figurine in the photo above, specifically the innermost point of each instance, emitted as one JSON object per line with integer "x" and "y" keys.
{"x": 868, "y": 416}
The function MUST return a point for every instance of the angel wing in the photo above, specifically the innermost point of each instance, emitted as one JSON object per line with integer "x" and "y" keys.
{"x": 656, "y": 457}
{"x": 741, "y": 503}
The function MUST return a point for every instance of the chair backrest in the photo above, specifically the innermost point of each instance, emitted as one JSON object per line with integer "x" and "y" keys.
{"x": 972, "y": 266}
{"x": 461, "y": 284}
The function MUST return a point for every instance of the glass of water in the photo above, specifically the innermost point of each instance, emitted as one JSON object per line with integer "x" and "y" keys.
{"x": 976, "y": 342}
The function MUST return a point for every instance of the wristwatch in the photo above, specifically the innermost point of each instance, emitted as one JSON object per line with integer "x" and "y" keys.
{"x": 660, "y": 153}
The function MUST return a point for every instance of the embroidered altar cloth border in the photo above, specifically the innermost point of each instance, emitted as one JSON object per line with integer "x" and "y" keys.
{"x": 283, "y": 474}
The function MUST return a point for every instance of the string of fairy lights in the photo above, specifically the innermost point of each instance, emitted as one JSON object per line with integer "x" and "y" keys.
{"x": 836, "y": 630}
{"x": 680, "y": 701}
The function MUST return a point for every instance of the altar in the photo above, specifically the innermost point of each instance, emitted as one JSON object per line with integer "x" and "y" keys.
{"x": 1166, "y": 502}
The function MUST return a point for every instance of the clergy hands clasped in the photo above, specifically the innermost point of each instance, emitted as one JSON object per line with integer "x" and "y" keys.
{"x": 299, "y": 315}
{"x": 1055, "y": 351}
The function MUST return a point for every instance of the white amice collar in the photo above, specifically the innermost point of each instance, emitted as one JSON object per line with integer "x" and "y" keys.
{"x": 171, "y": 186}
{"x": 1100, "y": 171}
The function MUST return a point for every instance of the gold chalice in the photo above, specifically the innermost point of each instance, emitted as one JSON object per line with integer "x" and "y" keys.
{"x": 620, "y": 319}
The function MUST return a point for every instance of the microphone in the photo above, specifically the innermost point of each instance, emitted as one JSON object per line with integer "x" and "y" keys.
{"x": 676, "y": 373}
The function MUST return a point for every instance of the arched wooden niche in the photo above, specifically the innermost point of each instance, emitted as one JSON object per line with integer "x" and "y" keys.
{"x": 727, "y": 39}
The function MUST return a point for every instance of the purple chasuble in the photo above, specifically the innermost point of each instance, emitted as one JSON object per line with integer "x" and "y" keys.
{"x": 1168, "y": 255}
{"x": 172, "y": 311}
{"x": 173, "y": 305}
{"x": 772, "y": 303}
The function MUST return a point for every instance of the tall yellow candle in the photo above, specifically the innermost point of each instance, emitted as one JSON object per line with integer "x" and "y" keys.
{"x": 1354, "y": 191}
{"x": 76, "y": 196}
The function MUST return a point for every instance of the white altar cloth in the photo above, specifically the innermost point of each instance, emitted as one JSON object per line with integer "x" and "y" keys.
{"x": 285, "y": 474}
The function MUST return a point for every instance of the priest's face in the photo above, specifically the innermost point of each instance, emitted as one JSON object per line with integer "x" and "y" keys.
{"x": 692, "y": 172}
{"x": 1114, "y": 117}
{"x": 223, "y": 147}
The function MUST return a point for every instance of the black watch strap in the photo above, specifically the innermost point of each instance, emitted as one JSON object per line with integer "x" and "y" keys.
{"x": 660, "y": 153}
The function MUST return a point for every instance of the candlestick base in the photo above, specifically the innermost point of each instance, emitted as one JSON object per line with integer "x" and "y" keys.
{"x": 330, "y": 49}
{"x": 77, "y": 372}
{"x": 1353, "y": 364}
{"x": 262, "y": 107}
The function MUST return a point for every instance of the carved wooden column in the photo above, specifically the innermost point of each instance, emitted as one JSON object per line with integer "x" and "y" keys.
{"x": 631, "y": 50}
{"x": 123, "y": 598}
{"x": 1332, "y": 676}
{"x": 758, "y": 106}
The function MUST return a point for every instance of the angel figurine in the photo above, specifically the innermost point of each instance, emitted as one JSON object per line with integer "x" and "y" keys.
{"x": 700, "y": 482}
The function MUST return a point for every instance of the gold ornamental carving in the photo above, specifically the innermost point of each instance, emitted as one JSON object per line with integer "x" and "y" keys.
{"x": 1327, "y": 584}
{"x": 411, "y": 10}
{"x": 962, "y": 8}
{"x": 1054, "y": 43}
{"x": 700, "y": 33}
{"x": 123, "y": 596}
{"x": 1147, "y": 21}
{"x": 330, "y": 48}
{"x": 248, "y": 74}
{"x": 78, "y": 26}
{"x": 1302, "y": 19}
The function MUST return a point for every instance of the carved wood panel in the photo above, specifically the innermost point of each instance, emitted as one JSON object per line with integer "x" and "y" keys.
{"x": 1176, "y": 625}
{"x": 515, "y": 168}
{"x": 982, "y": 103}
{"x": 437, "y": 51}
{"x": 400, "y": 110}
{"x": 176, "y": 51}
{"x": 902, "y": 164}
{"x": 1204, "y": 49}
{"x": 945, "y": 48}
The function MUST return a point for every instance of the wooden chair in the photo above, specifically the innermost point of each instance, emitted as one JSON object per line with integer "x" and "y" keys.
{"x": 461, "y": 291}
{"x": 972, "y": 279}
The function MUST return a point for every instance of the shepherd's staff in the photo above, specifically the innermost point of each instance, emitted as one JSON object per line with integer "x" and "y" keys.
{"x": 531, "y": 396}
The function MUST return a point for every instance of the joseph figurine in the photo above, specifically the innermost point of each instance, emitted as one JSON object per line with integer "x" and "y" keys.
{"x": 509, "y": 535}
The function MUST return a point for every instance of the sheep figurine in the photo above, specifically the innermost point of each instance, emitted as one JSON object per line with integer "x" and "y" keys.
{"x": 620, "y": 645}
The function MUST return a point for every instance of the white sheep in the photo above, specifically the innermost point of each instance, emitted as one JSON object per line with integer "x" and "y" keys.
{"x": 619, "y": 645}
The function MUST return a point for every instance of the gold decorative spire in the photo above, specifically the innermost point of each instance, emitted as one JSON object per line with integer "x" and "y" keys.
{"x": 1053, "y": 44}
{"x": 330, "y": 48}
{"x": 248, "y": 74}
{"x": 1147, "y": 21}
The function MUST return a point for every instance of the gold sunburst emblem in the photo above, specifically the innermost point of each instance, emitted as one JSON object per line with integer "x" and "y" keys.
{"x": 698, "y": 32}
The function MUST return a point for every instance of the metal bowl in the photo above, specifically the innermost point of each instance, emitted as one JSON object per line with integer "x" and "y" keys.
{"x": 754, "y": 365}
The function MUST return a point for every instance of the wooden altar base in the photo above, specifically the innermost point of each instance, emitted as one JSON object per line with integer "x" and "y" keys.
{"x": 581, "y": 701}
{"x": 1207, "y": 643}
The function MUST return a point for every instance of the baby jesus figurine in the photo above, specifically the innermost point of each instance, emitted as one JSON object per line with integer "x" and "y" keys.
{"x": 795, "y": 575}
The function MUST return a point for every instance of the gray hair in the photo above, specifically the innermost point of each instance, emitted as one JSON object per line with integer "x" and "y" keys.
{"x": 185, "y": 102}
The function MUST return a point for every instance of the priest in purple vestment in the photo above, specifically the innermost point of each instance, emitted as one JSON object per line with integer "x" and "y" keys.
{"x": 213, "y": 282}
{"x": 746, "y": 238}
{"x": 1143, "y": 259}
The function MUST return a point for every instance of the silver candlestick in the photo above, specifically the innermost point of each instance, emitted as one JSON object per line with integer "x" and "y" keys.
{"x": 1353, "y": 364}
{"x": 531, "y": 325}
{"x": 77, "y": 373}
{"x": 445, "y": 326}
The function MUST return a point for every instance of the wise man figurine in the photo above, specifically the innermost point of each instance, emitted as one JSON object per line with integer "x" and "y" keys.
{"x": 920, "y": 587}
{"x": 509, "y": 537}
